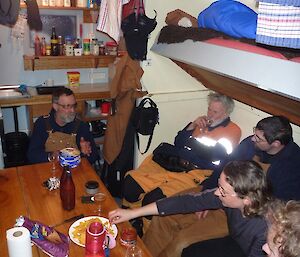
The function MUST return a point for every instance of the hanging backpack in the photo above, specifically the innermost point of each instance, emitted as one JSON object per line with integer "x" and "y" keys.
{"x": 144, "y": 119}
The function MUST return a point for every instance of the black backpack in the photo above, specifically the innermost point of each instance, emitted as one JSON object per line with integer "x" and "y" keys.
{"x": 144, "y": 120}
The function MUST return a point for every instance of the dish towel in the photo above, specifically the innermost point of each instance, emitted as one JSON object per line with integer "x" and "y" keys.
{"x": 110, "y": 17}
{"x": 278, "y": 23}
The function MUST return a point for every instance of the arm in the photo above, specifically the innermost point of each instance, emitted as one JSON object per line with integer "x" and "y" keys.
{"x": 36, "y": 151}
{"x": 86, "y": 143}
{"x": 121, "y": 215}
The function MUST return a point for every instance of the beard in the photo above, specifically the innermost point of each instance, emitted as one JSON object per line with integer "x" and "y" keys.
{"x": 67, "y": 118}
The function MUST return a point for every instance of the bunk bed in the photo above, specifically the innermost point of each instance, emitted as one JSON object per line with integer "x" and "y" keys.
{"x": 253, "y": 74}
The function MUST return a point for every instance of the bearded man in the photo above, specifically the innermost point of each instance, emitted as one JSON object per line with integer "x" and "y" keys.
{"x": 60, "y": 129}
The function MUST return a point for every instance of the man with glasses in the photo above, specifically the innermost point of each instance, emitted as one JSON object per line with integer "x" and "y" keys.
{"x": 273, "y": 147}
{"x": 61, "y": 129}
{"x": 242, "y": 194}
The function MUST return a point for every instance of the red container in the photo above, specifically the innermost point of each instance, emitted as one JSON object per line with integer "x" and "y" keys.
{"x": 95, "y": 240}
{"x": 105, "y": 108}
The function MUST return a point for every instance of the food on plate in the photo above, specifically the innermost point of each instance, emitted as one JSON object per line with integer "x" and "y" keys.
{"x": 80, "y": 230}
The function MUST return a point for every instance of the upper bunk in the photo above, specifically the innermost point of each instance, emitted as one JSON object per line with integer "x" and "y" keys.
{"x": 262, "y": 78}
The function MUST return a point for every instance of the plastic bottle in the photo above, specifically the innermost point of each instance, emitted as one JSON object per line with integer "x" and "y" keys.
{"x": 54, "y": 43}
{"x": 37, "y": 46}
{"x": 67, "y": 189}
{"x": 43, "y": 46}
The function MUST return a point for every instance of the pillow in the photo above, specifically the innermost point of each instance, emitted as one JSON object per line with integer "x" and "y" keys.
{"x": 230, "y": 17}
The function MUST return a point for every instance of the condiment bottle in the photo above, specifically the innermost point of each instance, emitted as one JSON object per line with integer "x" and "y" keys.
{"x": 43, "y": 46}
{"x": 86, "y": 46}
{"x": 67, "y": 189}
{"x": 95, "y": 240}
{"x": 60, "y": 46}
{"x": 95, "y": 47}
{"x": 54, "y": 43}
{"x": 37, "y": 46}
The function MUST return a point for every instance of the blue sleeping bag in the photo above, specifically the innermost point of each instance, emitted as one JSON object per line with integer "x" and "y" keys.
{"x": 230, "y": 17}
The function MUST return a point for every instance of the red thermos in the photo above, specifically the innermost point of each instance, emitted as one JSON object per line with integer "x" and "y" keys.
{"x": 95, "y": 240}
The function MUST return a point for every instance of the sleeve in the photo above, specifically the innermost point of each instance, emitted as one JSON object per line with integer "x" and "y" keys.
{"x": 36, "y": 151}
{"x": 258, "y": 241}
{"x": 87, "y": 135}
{"x": 188, "y": 203}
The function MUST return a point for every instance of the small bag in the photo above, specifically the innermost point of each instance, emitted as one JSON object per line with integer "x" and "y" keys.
{"x": 144, "y": 120}
{"x": 168, "y": 157}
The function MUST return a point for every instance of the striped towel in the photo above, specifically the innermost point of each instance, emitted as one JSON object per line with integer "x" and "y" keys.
{"x": 279, "y": 24}
{"x": 110, "y": 15}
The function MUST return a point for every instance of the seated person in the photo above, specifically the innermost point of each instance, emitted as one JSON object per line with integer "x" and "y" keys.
{"x": 283, "y": 239}
{"x": 61, "y": 129}
{"x": 242, "y": 194}
{"x": 272, "y": 146}
{"x": 151, "y": 182}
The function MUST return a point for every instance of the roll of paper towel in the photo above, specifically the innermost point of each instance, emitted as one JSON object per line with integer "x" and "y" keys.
{"x": 18, "y": 242}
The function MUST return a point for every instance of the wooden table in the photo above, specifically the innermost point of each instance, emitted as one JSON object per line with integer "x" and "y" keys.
{"x": 22, "y": 193}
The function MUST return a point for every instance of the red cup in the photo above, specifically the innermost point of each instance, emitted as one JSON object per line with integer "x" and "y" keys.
{"x": 105, "y": 108}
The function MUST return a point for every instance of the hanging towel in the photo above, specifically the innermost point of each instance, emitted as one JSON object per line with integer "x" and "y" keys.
{"x": 110, "y": 16}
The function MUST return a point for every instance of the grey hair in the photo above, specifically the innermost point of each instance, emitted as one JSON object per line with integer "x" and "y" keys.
{"x": 226, "y": 101}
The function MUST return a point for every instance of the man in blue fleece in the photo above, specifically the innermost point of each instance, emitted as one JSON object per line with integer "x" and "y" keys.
{"x": 61, "y": 129}
{"x": 242, "y": 193}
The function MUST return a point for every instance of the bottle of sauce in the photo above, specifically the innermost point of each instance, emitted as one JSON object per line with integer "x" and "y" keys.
{"x": 60, "y": 46}
{"x": 43, "y": 46}
{"x": 54, "y": 43}
{"x": 67, "y": 189}
{"x": 37, "y": 46}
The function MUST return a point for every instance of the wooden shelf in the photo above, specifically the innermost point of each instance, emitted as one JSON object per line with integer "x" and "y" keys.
{"x": 63, "y": 8}
{"x": 66, "y": 62}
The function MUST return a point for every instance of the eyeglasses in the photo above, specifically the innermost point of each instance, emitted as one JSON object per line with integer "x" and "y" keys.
{"x": 68, "y": 106}
{"x": 223, "y": 193}
{"x": 257, "y": 138}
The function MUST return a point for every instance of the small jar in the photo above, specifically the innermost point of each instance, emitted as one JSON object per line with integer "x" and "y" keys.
{"x": 86, "y": 46}
{"x": 92, "y": 187}
{"x": 48, "y": 50}
{"x": 128, "y": 237}
{"x": 111, "y": 48}
{"x": 101, "y": 48}
{"x": 68, "y": 47}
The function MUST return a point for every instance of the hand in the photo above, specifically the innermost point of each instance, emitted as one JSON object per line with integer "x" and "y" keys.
{"x": 201, "y": 214}
{"x": 201, "y": 122}
{"x": 85, "y": 147}
{"x": 120, "y": 215}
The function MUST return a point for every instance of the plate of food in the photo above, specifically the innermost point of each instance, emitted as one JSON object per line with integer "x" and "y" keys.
{"x": 78, "y": 229}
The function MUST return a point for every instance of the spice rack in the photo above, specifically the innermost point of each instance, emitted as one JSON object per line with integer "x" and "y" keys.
{"x": 33, "y": 63}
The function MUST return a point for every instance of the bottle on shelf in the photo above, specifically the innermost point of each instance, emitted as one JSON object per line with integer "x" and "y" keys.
{"x": 77, "y": 43}
{"x": 54, "y": 43}
{"x": 43, "y": 46}
{"x": 67, "y": 189}
{"x": 67, "y": 3}
{"x": 60, "y": 46}
{"x": 52, "y": 3}
{"x": 37, "y": 46}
